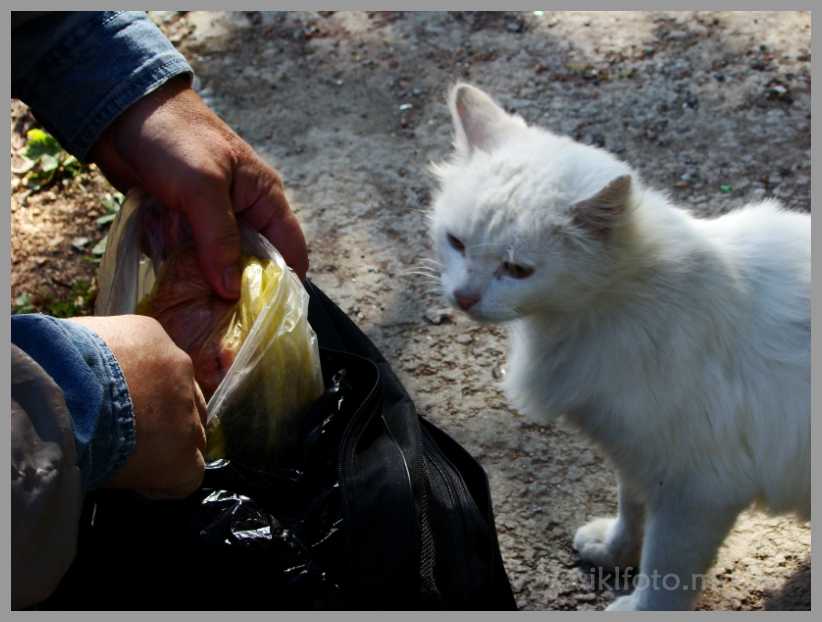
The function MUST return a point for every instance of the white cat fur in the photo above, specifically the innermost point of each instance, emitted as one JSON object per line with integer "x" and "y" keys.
{"x": 680, "y": 345}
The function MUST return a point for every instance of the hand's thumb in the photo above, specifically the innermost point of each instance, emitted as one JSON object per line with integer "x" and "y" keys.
{"x": 217, "y": 240}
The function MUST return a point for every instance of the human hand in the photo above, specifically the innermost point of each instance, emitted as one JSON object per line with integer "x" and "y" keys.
{"x": 178, "y": 150}
{"x": 169, "y": 409}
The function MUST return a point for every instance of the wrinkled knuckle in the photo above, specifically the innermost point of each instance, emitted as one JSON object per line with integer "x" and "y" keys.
{"x": 184, "y": 362}
{"x": 197, "y": 474}
{"x": 230, "y": 238}
{"x": 188, "y": 487}
{"x": 197, "y": 480}
{"x": 189, "y": 477}
{"x": 275, "y": 179}
{"x": 151, "y": 326}
{"x": 208, "y": 171}
{"x": 278, "y": 204}
{"x": 145, "y": 320}
{"x": 211, "y": 179}
{"x": 181, "y": 367}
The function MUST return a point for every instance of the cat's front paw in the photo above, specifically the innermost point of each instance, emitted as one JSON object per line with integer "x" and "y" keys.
{"x": 605, "y": 543}
{"x": 624, "y": 603}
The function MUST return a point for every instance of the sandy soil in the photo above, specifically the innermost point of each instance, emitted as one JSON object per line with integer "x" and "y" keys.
{"x": 713, "y": 107}
{"x": 53, "y": 232}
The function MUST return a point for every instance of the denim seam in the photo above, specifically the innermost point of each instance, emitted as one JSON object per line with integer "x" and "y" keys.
{"x": 122, "y": 410}
{"x": 153, "y": 67}
{"x": 123, "y": 96}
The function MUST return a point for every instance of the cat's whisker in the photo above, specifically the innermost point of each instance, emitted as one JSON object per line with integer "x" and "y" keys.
{"x": 423, "y": 278}
{"x": 428, "y": 260}
{"x": 420, "y": 269}
{"x": 629, "y": 290}
{"x": 428, "y": 264}
{"x": 425, "y": 275}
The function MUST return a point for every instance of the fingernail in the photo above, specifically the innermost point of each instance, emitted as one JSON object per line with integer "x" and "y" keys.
{"x": 231, "y": 280}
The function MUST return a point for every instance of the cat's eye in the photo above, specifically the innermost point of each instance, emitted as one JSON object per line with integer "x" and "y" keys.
{"x": 516, "y": 271}
{"x": 456, "y": 244}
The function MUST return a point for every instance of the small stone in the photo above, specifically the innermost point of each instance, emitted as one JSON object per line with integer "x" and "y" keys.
{"x": 79, "y": 244}
{"x": 587, "y": 597}
{"x": 404, "y": 107}
{"x": 464, "y": 339}
{"x": 438, "y": 316}
{"x": 736, "y": 604}
{"x": 514, "y": 25}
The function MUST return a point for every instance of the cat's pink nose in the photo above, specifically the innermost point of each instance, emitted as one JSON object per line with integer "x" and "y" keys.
{"x": 466, "y": 301}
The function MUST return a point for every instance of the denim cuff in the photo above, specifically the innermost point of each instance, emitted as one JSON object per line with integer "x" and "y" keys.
{"x": 115, "y": 437}
{"x": 78, "y": 71}
{"x": 93, "y": 386}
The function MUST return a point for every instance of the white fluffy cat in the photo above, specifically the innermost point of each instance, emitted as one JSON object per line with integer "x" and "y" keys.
{"x": 680, "y": 345}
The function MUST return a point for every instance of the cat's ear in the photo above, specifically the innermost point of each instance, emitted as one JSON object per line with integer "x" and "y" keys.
{"x": 479, "y": 123}
{"x": 600, "y": 214}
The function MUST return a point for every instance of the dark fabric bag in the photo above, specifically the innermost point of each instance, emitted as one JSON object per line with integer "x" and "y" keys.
{"x": 379, "y": 509}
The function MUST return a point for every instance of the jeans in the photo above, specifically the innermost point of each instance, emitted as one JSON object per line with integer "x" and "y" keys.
{"x": 78, "y": 71}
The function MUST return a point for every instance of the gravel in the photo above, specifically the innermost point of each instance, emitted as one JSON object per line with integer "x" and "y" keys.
{"x": 713, "y": 107}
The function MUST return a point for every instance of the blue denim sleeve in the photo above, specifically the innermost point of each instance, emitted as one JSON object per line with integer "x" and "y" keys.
{"x": 93, "y": 386}
{"x": 78, "y": 71}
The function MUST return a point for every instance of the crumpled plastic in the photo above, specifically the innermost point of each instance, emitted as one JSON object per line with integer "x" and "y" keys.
{"x": 256, "y": 360}
{"x": 247, "y": 539}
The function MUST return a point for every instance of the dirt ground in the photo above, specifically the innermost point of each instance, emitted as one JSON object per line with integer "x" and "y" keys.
{"x": 349, "y": 106}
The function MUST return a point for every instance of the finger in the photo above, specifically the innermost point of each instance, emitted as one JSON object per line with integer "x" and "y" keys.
{"x": 200, "y": 403}
{"x": 196, "y": 479}
{"x": 260, "y": 203}
{"x": 263, "y": 211}
{"x": 287, "y": 237}
{"x": 182, "y": 489}
{"x": 217, "y": 240}
{"x": 188, "y": 476}
{"x": 283, "y": 232}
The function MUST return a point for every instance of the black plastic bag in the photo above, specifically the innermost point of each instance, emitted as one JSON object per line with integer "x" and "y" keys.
{"x": 378, "y": 509}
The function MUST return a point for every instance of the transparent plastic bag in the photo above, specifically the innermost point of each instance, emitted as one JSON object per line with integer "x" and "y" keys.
{"x": 256, "y": 360}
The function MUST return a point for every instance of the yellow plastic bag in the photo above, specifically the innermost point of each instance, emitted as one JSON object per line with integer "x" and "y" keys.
{"x": 276, "y": 375}
{"x": 257, "y": 360}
